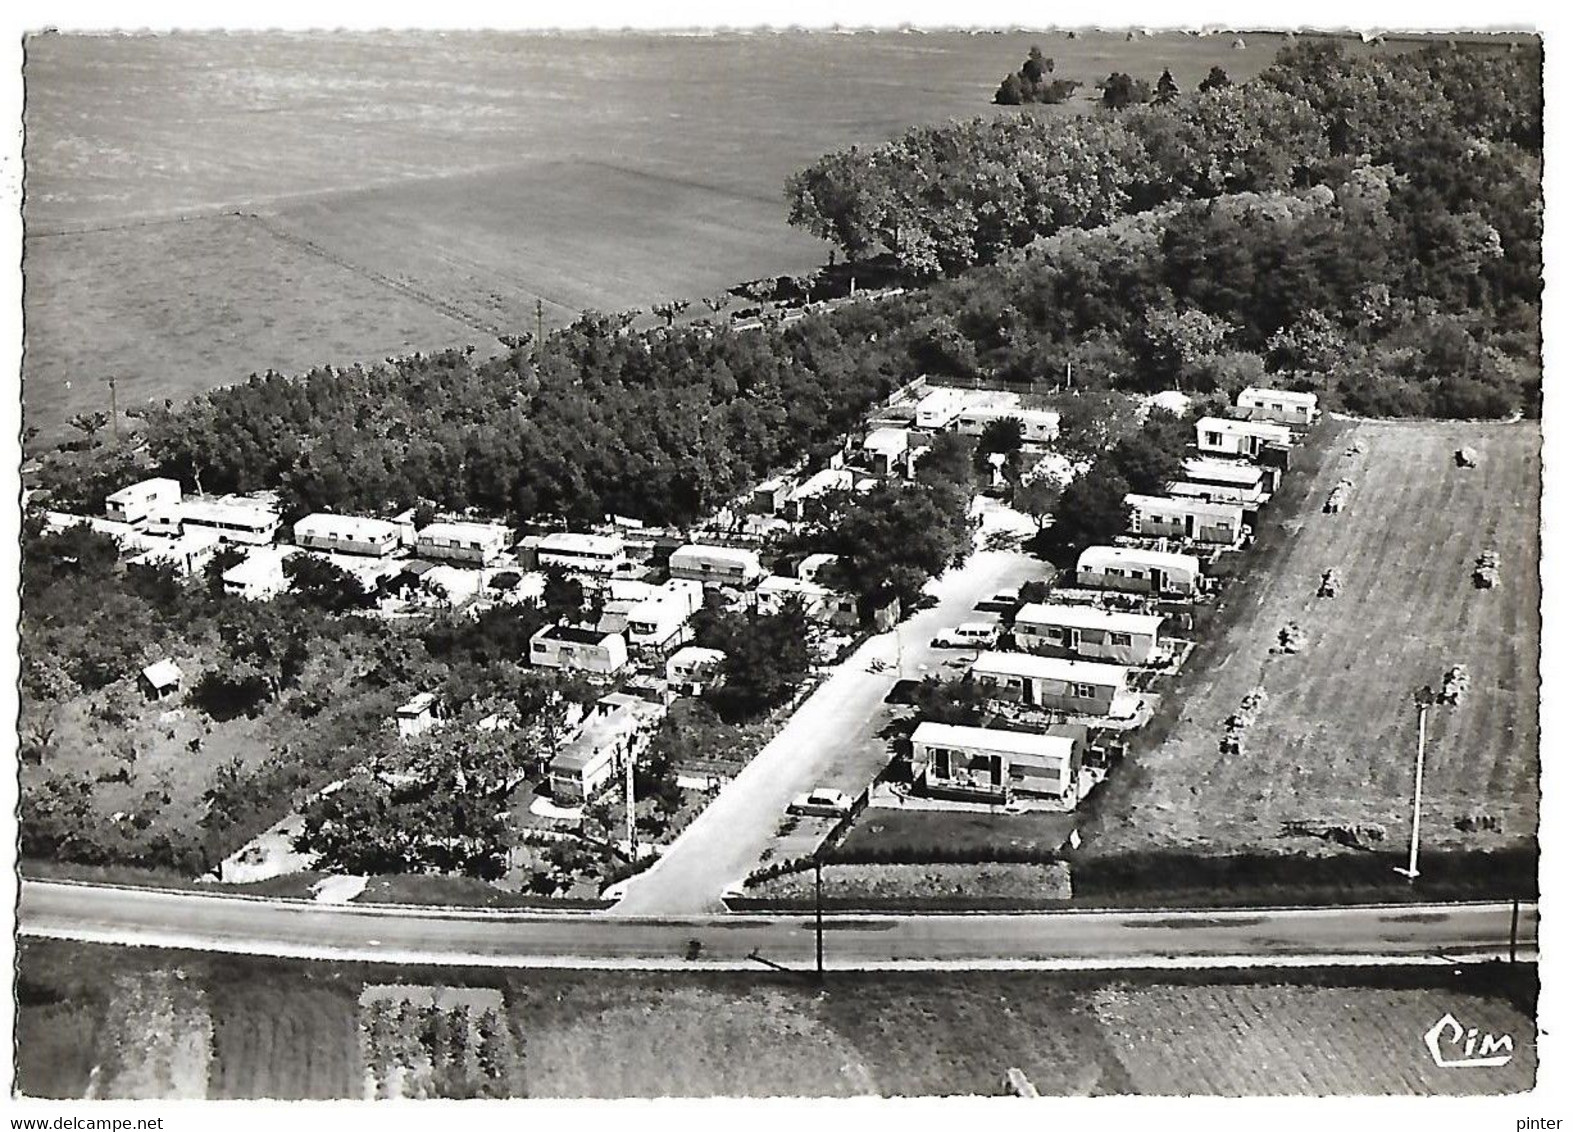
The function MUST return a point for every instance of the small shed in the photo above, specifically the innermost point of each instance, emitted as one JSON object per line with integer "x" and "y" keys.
{"x": 161, "y": 680}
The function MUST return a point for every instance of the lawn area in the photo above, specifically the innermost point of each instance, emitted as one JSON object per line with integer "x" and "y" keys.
{"x": 422, "y": 191}
{"x": 1335, "y": 739}
{"x": 290, "y": 1029}
{"x": 956, "y": 835}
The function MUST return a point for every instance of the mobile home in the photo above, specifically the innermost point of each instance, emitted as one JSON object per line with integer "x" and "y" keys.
{"x": 1158, "y": 516}
{"x": 348, "y": 534}
{"x": 1216, "y": 436}
{"x": 1087, "y": 632}
{"x": 1138, "y": 571}
{"x": 1279, "y": 405}
{"x": 473, "y": 544}
{"x": 992, "y": 765}
{"x": 581, "y": 553}
{"x": 1081, "y": 687}
{"x": 247, "y": 521}
{"x": 569, "y": 647}
{"x": 135, "y": 503}
{"x": 715, "y": 565}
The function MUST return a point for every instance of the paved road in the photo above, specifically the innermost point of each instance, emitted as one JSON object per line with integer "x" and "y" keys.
{"x": 411, "y": 935}
{"x": 832, "y": 727}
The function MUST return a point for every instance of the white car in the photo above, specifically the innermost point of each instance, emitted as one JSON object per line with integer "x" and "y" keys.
{"x": 821, "y": 803}
{"x": 968, "y": 635}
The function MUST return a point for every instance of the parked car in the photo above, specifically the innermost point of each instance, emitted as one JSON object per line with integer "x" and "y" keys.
{"x": 968, "y": 635}
{"x": 821, "y": 802}
{"x": 1005, "y": 601}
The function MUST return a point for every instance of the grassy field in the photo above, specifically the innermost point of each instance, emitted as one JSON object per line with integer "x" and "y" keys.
{"x": 413, "y": 191}
{"x": 1335, "y": 740}
{"x": 276, "y": 1028}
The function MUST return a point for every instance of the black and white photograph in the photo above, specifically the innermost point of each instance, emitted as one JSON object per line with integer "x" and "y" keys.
{"x": 726, "y": 561}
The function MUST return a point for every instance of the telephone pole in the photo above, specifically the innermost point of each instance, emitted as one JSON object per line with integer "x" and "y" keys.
{"x": 540, "y": 334}
{"x": 1424, "y": 699}
{"x": 114, "y": 413}
{"x": 633, "y": 846}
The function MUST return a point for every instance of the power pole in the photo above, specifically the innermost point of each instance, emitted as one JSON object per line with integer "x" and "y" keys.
{"x": 114, "y": 413}
{"x": 633, "y": 847}
{"x": 819, "y": 924}
{"x": 540, "y": 335}
{"x": 1423, "y": 701}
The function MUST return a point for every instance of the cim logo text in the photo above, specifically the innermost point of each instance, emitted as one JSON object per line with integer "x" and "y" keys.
{"x": 1454, "y": 1047}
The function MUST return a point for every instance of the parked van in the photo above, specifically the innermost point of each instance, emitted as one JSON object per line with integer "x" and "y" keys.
{"x": 969, "y": 635}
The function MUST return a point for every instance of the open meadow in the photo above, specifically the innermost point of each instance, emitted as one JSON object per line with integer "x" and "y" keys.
{"x": 1334, "y": 742}
{"x": 326, "y": 199}
{"x": 293, "y": 1029}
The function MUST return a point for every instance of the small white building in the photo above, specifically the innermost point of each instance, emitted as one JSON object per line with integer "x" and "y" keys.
{"x": 417, "y": 716}
{"x": 161, "y": 680}
{"x": 260, "y": 575}
{"x": 994, "y": 765}
{"x": 822, "y": 482}
{"x": 1219, "y": 437}
{"x": 187, "y": 553}
{"x": 570, "y": 648}
{"x": 822, "y": 604}
{"x": 236, "y": 519}
{"x": 134, "y": 503}
{"x": 939, "y": 409}
{"x": 1087, "y": 632}
{"x": 814, "y": 567}
{"x": 617, "y": 729}
{"x": 659, "y": 621}
{"x": 1135, "y": 570}
{"x": 1281, "y": 405}
{"x": 1197, "y": 520}
{"x": 348, "y": 534}
{"x": 885, "y": 449}
{"x": 473, "y": 544}
{"x": 715, "y": 565}
{"x": 582, "y": 553}
{"x": 1079, "y": 687}
{"x": 692, "y": 669}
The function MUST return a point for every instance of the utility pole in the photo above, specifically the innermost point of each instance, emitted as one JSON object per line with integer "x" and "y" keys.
{"x": 540, "y": 335}
{"x": 819, "y": 923}
{"x": 114, "y": 413}
{"x": 1424, "y": 698}
{"x": 633, "y": 846}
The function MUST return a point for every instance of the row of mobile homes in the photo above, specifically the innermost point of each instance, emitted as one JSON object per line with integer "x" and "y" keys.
{"x": 570, "y": 648}
{"x": 1280, "y": 405}
{"x": 659, "y": 622}
{"x": 135, "y": 503}
{"x": 1079, "y": 687}
{"x": 1216, "y": 436}
{"x": 594, "y": 555}
{"x": 715, "y": 565}
{"x": 993, "y": 766}
{"x": 348, "y": 534}
{"x": 1157, "y": 516}
{"x": 473, "y": 544}
{"x": 1088, "y": 633}
{"x": 618, "y": 729}
{"x": 249, "y": 522}
{"x": 1134, "y": 570}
